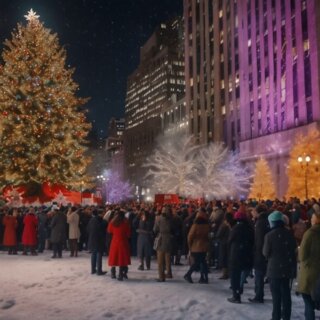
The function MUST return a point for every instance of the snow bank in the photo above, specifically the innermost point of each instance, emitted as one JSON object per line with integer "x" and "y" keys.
{"x": 42, "y": 288}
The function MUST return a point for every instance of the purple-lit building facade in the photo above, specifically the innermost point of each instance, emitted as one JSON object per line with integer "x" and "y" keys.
{"x": 252, "y": 75}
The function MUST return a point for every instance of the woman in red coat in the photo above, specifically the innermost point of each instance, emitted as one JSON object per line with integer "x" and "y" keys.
{"x": 10, "y": 236}
{"x": 119, "y": 254}
{"x": 29, "y": 235}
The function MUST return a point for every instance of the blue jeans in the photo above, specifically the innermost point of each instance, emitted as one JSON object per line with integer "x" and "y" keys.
{"x": 96, "y": 261}
{"x": 309, "y": 307}
{"x": 244, "y": 275}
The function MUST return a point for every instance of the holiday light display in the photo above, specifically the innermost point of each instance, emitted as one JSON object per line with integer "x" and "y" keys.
{"x": 262, "y": 187}
{"x": 180, "y": 167}
{"x": 172, "y": 166}
{"x": 42, "y": 128}
{"x": 303, "y": 167}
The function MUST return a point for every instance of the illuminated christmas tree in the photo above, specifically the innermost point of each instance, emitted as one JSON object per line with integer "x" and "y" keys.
{"x": 42, "y": 125}
{"x": 263, "y": 187}
{"x": 303, "y": 166}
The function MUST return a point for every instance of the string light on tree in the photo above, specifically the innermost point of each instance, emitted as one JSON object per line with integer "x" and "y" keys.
{"x": 303, "y": 166}
{"x": 41, "y": 111}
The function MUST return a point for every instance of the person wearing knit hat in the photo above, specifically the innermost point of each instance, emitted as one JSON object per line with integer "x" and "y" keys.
{"x": 280, "y": 250}
{"x": 275, "y": 219}
{"x": 240, "y": 243}
{"x": 239, "y": 215}
{"x": 259, "y": 262}
{"x": 316, "y": 208}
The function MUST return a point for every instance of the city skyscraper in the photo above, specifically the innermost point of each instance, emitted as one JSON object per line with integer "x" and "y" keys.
{"x": 158, "y": 79}
{"x": 252, "y": 75}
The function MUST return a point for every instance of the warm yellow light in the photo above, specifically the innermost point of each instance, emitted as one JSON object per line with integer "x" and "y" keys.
{"x": 308, "y": 158}
{"x": 300, "y": 159}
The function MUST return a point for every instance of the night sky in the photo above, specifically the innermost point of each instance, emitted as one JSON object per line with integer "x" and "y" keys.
{"x": 102, "y": 39}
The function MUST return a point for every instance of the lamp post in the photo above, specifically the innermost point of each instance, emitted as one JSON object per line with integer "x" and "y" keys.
{"x": 305, "y": 159}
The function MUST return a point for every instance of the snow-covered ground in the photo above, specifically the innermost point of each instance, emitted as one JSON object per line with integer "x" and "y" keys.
{"x": 43, "y": 288}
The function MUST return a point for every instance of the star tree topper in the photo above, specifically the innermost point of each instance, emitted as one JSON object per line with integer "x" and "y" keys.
{"x": 32, "y": 16}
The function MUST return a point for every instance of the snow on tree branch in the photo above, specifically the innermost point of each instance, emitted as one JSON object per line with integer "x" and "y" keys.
{"x": 178, "y": 166}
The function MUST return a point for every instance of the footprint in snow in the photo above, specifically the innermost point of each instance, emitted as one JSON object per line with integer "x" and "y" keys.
{"x": 8, "y": 304}
{"x": 108, "y": 315}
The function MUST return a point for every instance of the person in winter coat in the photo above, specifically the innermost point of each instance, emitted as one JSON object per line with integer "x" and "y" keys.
{"x": 280, "y": 250}
{"x": 309, "y": 274}
{"x": 58, "y": 228}
{"x": 223, "y": 236}
{"x": 29, "y": 235}
{"x": 10, "y": 224}
{"x": 178, "y": 239}
{"x": 42, "y": 229}
{"x": 145, "y": 238}
{"x": 198, "y": 240}
{"x": 96, "y": 230}
{"x": 163, "y": 229}
{"x": 240, "y": 243}
{"x": 260, "y": 263}
{"x": 186, "y": 226}
{"x": 119, "y": 254}
{"x": 74, "y": 230}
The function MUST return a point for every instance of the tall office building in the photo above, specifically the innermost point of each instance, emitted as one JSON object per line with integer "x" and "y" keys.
{"x": 212, "y": 70}
{"x": 263, "y": 58}
{"x": 158, "y": 78}
{"x": 114, "y": 144}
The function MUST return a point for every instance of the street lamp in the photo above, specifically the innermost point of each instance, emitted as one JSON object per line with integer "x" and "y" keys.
{"x": 305, "y": 159}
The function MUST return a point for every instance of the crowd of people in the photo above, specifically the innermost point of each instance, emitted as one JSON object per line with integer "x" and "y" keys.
{"x": 274, "y": 241}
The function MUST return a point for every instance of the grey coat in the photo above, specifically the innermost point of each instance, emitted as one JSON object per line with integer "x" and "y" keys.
{"x": 145, "y": 238}
{"x": 58, "y": 227}
{"x": 164, "y": 228}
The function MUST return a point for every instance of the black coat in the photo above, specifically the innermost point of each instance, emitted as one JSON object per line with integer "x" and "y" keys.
{"x": 58, "y": 228}
{"x": 96, "y": 230}
{"x": 280, "y": 250}
{"x": 261, "y": 229}
{"x": 240, "y": 243}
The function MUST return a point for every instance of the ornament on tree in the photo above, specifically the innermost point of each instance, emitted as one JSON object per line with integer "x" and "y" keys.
{"x": 21, "y": 78}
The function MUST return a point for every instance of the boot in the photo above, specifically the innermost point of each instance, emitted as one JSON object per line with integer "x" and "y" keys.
{"x": 113, "y": 272}
{"x": 187, "y": 277}
{"x": 125, "y": 272}
{"x": 204, "y": 278}
{"x": 224, "y": 275}
{"x": 141, "y": 267}
{"x": 121, "y": 272}
{"x": 148, "y": 262}
{"x": 236, "y": 298}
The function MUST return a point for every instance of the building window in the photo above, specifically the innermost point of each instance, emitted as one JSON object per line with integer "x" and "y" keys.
{"x": 309, "y": 111}
{"x": 307, "y": 76}
{"x": 295, "y": 84}
{"x": 304, "y": 22}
